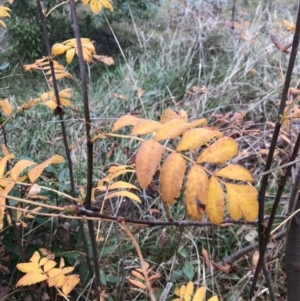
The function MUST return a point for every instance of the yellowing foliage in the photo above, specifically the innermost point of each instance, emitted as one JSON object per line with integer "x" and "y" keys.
{"x": 4, "y": 12}
{"x": 43, "y": 269}
{"x": 185, "y": 293}
{"x": 97, "y": 5}
{"x": 70, "y": 48}
{"x": 203, "y": 191}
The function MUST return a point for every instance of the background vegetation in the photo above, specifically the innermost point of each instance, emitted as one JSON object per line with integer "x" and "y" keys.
{"x": 192, "y": 55}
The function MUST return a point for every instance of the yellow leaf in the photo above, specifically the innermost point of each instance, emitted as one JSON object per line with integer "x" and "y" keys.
{"x": 2, "y": 201}
{"x": 107, "y": 4}
{"x": 49, "y": 265}
{"x": 122, "y": 185}
{"x": 43, "y": 261}
{"x": 35, "y": 257}
{"x": 188, "y": 291}
{"x": 96, "y": 7}
{"x": 235, "y": 172}
{"x": 220, "y": 151}
{"x": 35, "y": 172}
{"x": 70, "y": 282}
{"x": 4, "y": 150}
{"x": 61, "y": 263}
{"x": 200, "y": 294}
{"x": 59, "y": 48}
{"x": 171, "y": 129}
{"x": 289, "y": 26}
{"x": 124, "y": 193}
{"x": 196, "y": 187}
{"x": 215, "y": 201}
{"x": 54, "y": 272}
{"x": 198, "y": 122}
{"x": 246, "y": 197}
{"x": 50, "y": 104}
{"x": 67, "y": 270}
{"x": 168, "y": 115}
{"x": 147, "y": 160}
{"x": 196, "y": 137}
{"x": 6, "y": 107}
{"x": 31, "y": 278}
{"x": 125, "y": 121}
{"x": 3, "y": 24}
{"x": 145, "y": 127}
{"x": 137, "y": 283}
{"x": 70, "y": 55}
{"x": 214, "y": 298}
{"x": 171, "y": 177}
{"x": 3, "y": 162}
{"x": 183, "y": 114}
{"x": 28, "y": 267}
{"x": 19, "y": 167}
{"x": 57, "y": 280}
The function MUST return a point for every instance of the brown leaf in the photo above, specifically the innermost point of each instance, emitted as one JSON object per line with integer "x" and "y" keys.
{"x": 107, "y": 60}
{"x": 206, "y": 258}
{"x": 224, "y": 268}
{"x": 279, "y": 46}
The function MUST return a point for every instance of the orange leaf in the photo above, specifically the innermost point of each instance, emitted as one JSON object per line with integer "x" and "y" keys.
{"x": 3, "y": 162}
{"x": 196, "y": 185}
{"x": 183, "y": 114}
{"x": 57, "y": 280}
{"x": 145, "y": 127}
{"x": 171, "y": 129}
{"x": 70, "y": 282}
{"x": 220, "y": 151}
{"x": 215, "y": 201}
{"x": 147, "y": 160}
{"x": 198, "y": 122}
{"x": 35, "y": 172}
{"x": 289, "y": 26}
{"x": 137, "y": 275}
{"x": 125, "y": 121}
{"x": 168, "y": 115}
{"x": 200, "y": 294}
{"x": 107, "y": 60}
{"x": 195, "y": 138}
{"x": 137, "y": 283}
{"x": 171, "y": 177}
{"x": 31, "y": 278}
{"x": 246, "y": 197}
{"x": 6, "y": 107}
{"x": 235, "y": 172}
{"x": 124, "y": 193}
{"x": 19, "y": 167}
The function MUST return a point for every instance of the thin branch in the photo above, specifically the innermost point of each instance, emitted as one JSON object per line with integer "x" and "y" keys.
{"x": 262, "y": 192}
{"x": 63, "y": 128}
{"x": 90, "y": 143}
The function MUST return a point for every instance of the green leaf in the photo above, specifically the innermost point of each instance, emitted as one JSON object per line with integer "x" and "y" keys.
{"x": 188, "y": 270}
{"x": 103, "y": 277}
{"x": 183, "y": 252}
